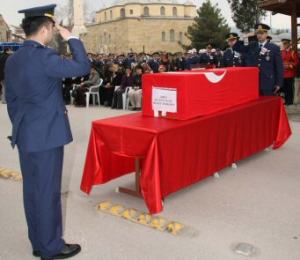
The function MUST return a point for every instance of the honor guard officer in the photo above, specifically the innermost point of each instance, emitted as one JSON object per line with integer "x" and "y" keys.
{"x": 232, "y": 58}
{"x": 291, "y": 62}
{"x": 33, "y": 78}
{"x": 267, "y": 57}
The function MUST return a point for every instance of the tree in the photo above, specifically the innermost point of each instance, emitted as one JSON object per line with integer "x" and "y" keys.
{"x": 209, "y": 27}
{"x": 246, "y": 13}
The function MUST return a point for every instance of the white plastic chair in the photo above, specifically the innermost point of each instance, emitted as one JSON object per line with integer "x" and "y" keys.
{"x": 94, "y": 92}
{"x": 125, "y": 98}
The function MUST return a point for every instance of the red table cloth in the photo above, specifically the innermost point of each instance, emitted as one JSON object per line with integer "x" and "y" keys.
{"x": 175, "y": 154}
{"x": 201, "y": 92}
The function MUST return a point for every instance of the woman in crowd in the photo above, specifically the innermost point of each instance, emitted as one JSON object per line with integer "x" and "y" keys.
{"x": 135, "y": 93}
{"x": 112, "y": 78}
{"x": 127, "y": 81}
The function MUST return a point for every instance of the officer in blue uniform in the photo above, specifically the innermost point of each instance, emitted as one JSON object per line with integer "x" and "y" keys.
{"x": 232, "y": 58}
{"x": 40, "y": 125}
{"x": 267, "y": 57}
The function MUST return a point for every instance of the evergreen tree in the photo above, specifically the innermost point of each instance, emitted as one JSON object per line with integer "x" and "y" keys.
{"x": 209, "y": 27}
{"x": 246, "y": 13}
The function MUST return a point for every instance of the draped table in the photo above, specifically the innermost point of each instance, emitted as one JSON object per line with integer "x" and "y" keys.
{"x": 176, "y": 154}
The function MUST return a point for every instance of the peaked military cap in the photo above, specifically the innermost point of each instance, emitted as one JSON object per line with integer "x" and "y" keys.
{"x": 261, "y": 27}
{"x": 47, "y": 11}
{"x": 231, "y": 36}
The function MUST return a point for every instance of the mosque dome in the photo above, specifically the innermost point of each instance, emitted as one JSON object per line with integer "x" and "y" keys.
{"x": 124, "y": 2}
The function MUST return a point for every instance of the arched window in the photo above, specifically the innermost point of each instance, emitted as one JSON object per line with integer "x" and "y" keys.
{"x": 146, "y": 11}
{"x": 172, "y": 35}
{"x": 105, "y": 38}
{"x": 163, "y": 36}
{"x": 131, "y": 11}
{"x": 162, "y": 10}
{"x": 111, "y": 15}
{"x": 174, "y": 11}
{"x": 180, "y": 37}
{"x": 122, "y": 12}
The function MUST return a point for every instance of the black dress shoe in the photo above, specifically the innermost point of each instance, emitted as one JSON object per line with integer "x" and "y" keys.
{"x": 36, "y": 253}
{"x": 68, "y": 251}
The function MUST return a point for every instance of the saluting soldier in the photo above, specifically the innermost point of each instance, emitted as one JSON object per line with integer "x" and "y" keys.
{"x": 267, "y": 57}
{"x": 209, "y": 59}
{"x": 291, "y": 62}
{"x": 232, "y": 58}
{"x": 33, "y": 77}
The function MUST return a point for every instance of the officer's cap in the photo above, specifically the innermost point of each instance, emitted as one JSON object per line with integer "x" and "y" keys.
{"x": 40, "y": 11}
{"x": 262, "y": 28}
{"x": 231, "y": 36}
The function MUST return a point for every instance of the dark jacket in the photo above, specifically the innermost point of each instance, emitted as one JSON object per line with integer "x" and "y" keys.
{"x": 33, "y": 79}
{"x": 270, "y": 64}
{"x": 127, "y": 81}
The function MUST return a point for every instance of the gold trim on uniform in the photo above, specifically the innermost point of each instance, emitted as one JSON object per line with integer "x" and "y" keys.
{"x": 49, "y": 15}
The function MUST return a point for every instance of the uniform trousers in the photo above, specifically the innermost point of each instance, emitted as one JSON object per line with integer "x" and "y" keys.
{"x": 289, "y": 90}
{"x": 42, "y": 173}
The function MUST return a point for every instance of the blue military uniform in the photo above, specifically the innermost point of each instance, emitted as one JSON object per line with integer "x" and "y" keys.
{"x": 232, "y": 58}
{"x": 40, "y": 129}
{"x": 267, "y": 58}
{"x": 208, "y": 60}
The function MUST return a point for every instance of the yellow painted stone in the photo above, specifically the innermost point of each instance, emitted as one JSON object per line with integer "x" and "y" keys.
{"x": 144, "y": 219}
{"x": 117, "y": 210}
{"x": 104, "y": 205}
{"x": 175, "y": 227}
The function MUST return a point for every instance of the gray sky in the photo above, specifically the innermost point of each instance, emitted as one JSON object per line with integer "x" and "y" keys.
{"x": 9, "y": 10}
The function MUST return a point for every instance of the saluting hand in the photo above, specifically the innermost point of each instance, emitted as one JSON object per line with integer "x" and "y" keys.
{"x": 65, "y": 33}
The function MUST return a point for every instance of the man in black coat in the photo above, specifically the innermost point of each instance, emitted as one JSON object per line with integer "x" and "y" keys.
{"x": 3, "y": 58}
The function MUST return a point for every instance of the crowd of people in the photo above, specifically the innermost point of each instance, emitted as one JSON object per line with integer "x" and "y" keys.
{"x": 117, "y": 72}
{"x": 121, "y": 71}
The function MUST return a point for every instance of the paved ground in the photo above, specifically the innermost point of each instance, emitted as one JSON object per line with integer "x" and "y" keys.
{"x": 258, "y": 204}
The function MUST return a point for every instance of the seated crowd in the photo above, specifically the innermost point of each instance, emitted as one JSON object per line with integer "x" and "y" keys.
{"x": 116, "y": 73}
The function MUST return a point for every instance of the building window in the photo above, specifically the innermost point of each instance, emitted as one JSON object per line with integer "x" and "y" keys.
{"x": 105, "y": 16}
{"x": 111, "y": 15}
{"x": 163, "y": 36}
{"x": 122, "y": 13}
{"x": 131, "y": 11}
{"x": 109, "y": 38}
{"x": 180, "y": 37}
{"x": 105, "y": 38}
{"x": 172, "y": 35}
{"x": 174, "y": 11}
{"x": 162, "y": 10}
{"x": 146, "y": 11}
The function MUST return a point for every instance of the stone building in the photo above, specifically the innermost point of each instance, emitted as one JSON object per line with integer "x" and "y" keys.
{"x": 4, "y": 30}
{"x": 140, "y": 26}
